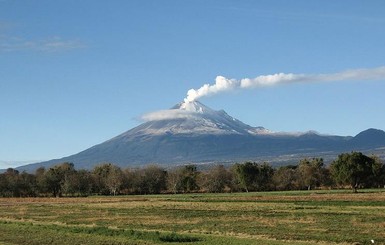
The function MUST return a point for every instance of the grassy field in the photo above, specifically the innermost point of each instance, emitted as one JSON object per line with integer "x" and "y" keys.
{"x": 297, "y": 217}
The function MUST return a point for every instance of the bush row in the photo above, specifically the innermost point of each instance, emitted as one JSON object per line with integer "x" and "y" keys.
{"x": 353, "y": 169}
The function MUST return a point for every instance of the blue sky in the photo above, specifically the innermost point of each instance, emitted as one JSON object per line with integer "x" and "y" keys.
{"x": 76, "y": 73}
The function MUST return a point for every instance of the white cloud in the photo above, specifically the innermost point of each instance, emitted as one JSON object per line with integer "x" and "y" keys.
{"x": 51, "y": 44}
{"x": 167, "y": 114}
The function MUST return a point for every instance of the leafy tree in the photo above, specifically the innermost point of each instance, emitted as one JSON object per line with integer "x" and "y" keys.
{"x": 377, "y": 179}
{"x": 353, "y": 169}
{"x": 3, "y": 185}
{"x": 27, "y": 185}
{"x": 151, "y": 179}
{"x": 254, "y": 177}
{"x": 77, "y": 183}
{"x": 155, "y": 178}
{"x": 108, "y": 178}
{"x": 84, "y": 182}
{"x": 264, "y": 178}
{"x": 246, "y": 174}
{"x": 183, "y": 179}
{"x": 174, "y": 178}
{"x": 52, "y": 181}
{"x": 69, "y": 183}
{"x": 311, "y": 172}
{"x": 114, "y": 179}
{"x": 137, "y": 181}
{"x": 12, "y": 182}
{"x": 233, "y": 184}
{"x": 56, "y": 177}
{"x": 216, "y": 179}
{"x": 286, "y": 178}
{"x": 128, "y": 181}
{"x": 99, "y": 174}
{"x": 40, "y": 181}
{"x": 188, "y": 181}
{"x": 9, "y": 183}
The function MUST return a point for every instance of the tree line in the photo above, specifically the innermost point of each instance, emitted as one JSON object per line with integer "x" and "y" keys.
{"x": 354, "y": 170}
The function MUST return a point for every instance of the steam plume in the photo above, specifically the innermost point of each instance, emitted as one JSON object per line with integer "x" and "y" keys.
{"x": 223, "y": 84}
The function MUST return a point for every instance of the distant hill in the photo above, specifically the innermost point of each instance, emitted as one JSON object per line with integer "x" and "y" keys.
{"x": 194, "y": 133}
{"x": 369, "y": 138}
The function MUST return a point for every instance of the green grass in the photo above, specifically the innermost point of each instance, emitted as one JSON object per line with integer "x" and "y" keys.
{"x": 45, "y": 234}
{"x": 298, "y": 217}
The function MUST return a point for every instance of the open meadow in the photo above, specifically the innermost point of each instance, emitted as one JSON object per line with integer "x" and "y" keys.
{"x": 295, "y": 217}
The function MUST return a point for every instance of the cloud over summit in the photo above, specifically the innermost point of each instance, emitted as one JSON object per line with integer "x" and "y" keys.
{"x": 167, "y": 114}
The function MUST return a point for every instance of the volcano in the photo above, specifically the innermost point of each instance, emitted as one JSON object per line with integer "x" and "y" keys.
{"x": 191, "y": 132}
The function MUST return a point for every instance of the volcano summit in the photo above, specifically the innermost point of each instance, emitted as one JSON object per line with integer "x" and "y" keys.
{"x": 191, "y": 132}
{"x": 194, "y": 118}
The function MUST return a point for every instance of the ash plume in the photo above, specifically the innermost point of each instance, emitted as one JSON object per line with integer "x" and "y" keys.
{"x": 223, "y": 84}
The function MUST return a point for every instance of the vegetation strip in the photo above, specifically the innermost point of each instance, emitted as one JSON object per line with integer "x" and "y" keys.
{"x": 354, "y": 170}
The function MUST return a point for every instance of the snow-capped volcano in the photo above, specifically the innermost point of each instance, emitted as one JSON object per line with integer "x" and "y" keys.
{"x": 191, "y": 132}
{"x": 194, "y": 118}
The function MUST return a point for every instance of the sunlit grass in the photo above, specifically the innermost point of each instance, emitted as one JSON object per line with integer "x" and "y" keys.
{"x": 298, "y": 217}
